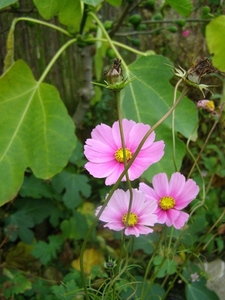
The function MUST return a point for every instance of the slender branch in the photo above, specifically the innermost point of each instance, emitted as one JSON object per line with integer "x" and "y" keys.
{"x": 44, "y": 23}
{"x": 118, "y": 23}
{"x": 207, "y": 139}
{"x": 56, "y": 56}
{"x": 115, "y": 187}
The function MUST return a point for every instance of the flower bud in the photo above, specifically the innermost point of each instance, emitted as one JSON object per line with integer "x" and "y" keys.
{"x": 206, "y": 104}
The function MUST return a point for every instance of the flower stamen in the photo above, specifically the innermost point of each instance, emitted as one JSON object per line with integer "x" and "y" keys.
{"x": 166, "y": 203}
{"x": 119, "y": 155}
{"x": 133, "y": 219}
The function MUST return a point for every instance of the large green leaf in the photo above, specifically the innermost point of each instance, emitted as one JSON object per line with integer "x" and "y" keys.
{"x": 183, "y": 7}
{"x": 5, "y": 3}
{"x": 70, "y": 14}
{"x": 36, "y": 131}
{"x": 198, "y": 290}
{"x": 69, "y": 11}
{"x": 47, "y": 8}
{"x": 148, "y": 98}
{"x": 215, "y": 32}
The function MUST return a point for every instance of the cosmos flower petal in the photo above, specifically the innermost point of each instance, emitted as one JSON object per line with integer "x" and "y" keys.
{"x": 161, "y": 216}
{"x": 181, "y": 220}
{"x": 127, "y": 127}
{"x": 176, "y": 184}
{"x": 150, "y": 193}
{"x": 103, "y": 133}
{"x": 172, "y": 215}
{"x": 189, "y": 193}
{"x": 105, "y": 141}
{"x": 117, "y": 209}
{"x": 116, "y": 171}
{"x": 160, "y": 184}
{"x": 102, "y": 170}
{"x": 175, "y": 195}
{"x": 139, "y": 131}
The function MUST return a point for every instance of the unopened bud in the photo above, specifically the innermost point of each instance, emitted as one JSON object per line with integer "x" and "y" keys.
{"x": 206, "y": 104}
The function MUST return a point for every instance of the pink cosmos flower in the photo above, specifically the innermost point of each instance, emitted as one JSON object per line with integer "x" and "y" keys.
{"x": 142, "y": 213}
{"x": 105, "y": 153}
{"x": 186, "y": 33}
{"x": 171, "y": 196}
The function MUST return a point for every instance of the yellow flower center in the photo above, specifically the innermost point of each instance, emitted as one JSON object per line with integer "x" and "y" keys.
{"x": 119, "y": 155}
{"x": 210, "y": 105}
{"x": 167, "y": 203}
{"x": 133, "y": 219}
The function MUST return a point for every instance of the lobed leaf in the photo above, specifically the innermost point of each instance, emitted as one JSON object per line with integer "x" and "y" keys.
{"x": 148, "y": 98}
{"x": 215, "y": 32}
{"x": 74, "y": 184}
{"x": 36, "y": 131}
{"x": 47, "y": 251}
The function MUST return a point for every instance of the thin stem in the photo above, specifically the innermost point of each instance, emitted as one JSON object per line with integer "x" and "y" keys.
{"x": 173, "y": 123}
{"x": 118, "y": 44}
{"x": 49, "y": 66}
{"x": 124, "y": 155}
{"x": 43, "y": 23}
{"x": 117, "y": 184}
{"x": 143, "y": 292}
{"x": 108, "y": 38}
{"x": 191, "y": 254}
{"x": 118, "y": 23}
{"x": 207, "y": 139}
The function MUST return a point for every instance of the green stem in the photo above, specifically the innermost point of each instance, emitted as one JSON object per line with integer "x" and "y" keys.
{"x": 143, "y": 292}
{"x": 207, "y": 139}
{"x": 117, "y": 184}
{"x": 124, "y": 153}
{"x": 118, "y": 44}
{"x": 108, "y": 38}
{"x": 58, "y": 53}
{"x": 173, "y": 123}
{"x": 43, "y": 23}
{"x": 191, "y": 254}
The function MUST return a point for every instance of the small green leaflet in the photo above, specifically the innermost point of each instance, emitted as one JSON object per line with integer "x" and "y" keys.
{"x": 47, "y": 251}
{"x": 183, "y": 7}
{"x": 5, "y": 3}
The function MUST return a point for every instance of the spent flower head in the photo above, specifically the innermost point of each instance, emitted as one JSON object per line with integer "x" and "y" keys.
{"x": 110, "y": 264}
{"x": 115, "y": 79}
{"x": 105, "y": 153}
{"x": 171, "y": 196}
{"x": 117, "y": 216}
{"x": 192, "y": 77}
